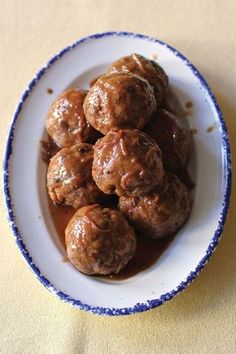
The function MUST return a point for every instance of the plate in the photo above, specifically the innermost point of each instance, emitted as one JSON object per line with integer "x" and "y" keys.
{"x": 24, "y": 179}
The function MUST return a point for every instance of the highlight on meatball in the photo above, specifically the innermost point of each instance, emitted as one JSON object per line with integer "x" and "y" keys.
{"x": 69, "y": 177}
{"x": 158, "y": 215}
{"x": 99, "y": 240}
{"x": 66, "y": 123}
{"x": 146, "y": 68}
{"x": 127, "y": 162}
{"x": 121, "y": 101}
{"x": 173, "y": 139}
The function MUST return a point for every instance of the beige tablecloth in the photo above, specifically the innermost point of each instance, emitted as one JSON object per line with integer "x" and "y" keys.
{"x": 200, "y": 320}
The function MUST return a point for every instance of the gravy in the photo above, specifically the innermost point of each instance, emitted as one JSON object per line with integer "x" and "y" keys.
{"x": 148, "y": 250}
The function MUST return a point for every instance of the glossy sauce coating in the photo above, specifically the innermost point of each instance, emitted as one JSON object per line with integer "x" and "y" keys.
{"x": 99, "y": 240}
{"x": 127, "y": 162}
{"x": 147, "y": 252}
{"x": 157, "y": 215}
{"x": 143, "y": 67}
{"x": 119, "y": 101}
{"x": 131, "y": 166}
{"x": 173, "y": 139}
{"x": 66, "y": 122}
{"x": 48, "y": 149}
{"x": 69, "y": 178}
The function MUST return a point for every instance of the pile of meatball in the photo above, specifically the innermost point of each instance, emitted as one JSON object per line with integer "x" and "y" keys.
{"x": 116, "y": 139}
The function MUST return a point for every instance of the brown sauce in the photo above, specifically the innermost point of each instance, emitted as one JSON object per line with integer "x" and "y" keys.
{"x": 147, "y": 253}
{"x": 211, "y": 128}
{"x": 65, "y": 259}
{"x": 48, "y": 149}
{"x": 154, "y": 56}
{"x": 173, "y": 105}
{"x": 50, "y": 91}
{"x": 186, "y": 179}
{"x": 148, "y": 250}
{"x": 61, "y": 215}
{"x": 193, "y": 131}
{"x": 189, "y": 105}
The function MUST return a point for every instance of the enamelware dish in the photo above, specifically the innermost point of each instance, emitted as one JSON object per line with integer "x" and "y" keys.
{"x": 26, "y": 198}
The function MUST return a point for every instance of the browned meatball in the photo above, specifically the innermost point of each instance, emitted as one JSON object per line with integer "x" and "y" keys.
{"x": 119, "y": 101}
{"x": 66, "y": 122}
{"x": 99, "y": 241}
{"x": 157, "y": 215}
{"x": 127, "y": 162}
{"x": 148, "y": 69}
{"x": 93, "y": 81}
{"x": 69, "y": 177}
{"x": 173, "y": 139}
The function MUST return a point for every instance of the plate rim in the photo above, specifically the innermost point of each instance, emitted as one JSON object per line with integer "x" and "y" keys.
{"x": 149, "y": 304}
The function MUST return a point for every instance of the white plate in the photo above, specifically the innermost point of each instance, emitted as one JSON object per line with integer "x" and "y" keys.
{"x": 24, "y": 180}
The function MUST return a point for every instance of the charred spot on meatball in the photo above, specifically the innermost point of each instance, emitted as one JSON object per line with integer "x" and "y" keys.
{"x": 69, "y": 177}
{"x": 66, "y": 123}
{"x": 121, "y": 100}
{"x": 127, "y": 162}
{"x": 143, "y": 67}
{"x": 173, "y": 139}
{"x": 159, "y": 214}
{"x": 99, "y": 240}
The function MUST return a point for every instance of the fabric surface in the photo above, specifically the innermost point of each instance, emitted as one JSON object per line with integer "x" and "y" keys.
{"x": 200, "y": 320}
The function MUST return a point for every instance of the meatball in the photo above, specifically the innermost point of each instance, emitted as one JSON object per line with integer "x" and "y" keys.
{"x": 66, "y": 122}
{"x": 127, "y": 162}
{"x": 69, "y": 177}
{"x": 99, "y": 241}
{"x": 156, "y": 215}
{"x": 174, "y": 140}
{"x": 148, "y": 69}
{"x": 119, "y": 101}
{"x": 93, "y": 81}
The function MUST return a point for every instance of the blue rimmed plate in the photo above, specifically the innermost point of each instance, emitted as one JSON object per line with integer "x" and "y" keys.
{"x": 24, "y": 179}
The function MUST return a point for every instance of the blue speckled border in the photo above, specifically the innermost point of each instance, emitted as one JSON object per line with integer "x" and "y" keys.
{"x": 149, "y": 304}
